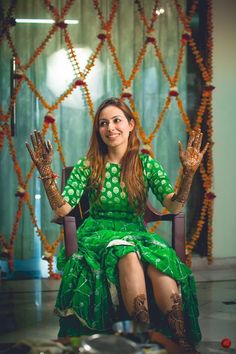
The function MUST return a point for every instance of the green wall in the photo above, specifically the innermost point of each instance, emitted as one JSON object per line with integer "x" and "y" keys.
{"x": 224, "y": 124}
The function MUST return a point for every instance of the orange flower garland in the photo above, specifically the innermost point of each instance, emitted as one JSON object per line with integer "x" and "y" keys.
{"x": 116, "y": 60}
{"x": 41, "y": 47}
{"x": 78, "y": 72}
{"x": 183, "y": 114}
{"x": 58, "y": 142}
{"x": 49, "y": 122}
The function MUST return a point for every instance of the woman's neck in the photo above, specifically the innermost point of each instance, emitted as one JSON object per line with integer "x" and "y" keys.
{"x": 115, "y": 155}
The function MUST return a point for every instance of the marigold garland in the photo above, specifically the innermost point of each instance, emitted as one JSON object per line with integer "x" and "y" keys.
{"x": 58, "y": 142}
{"x": 163, "y": 66}
{"x": 116, "y": 60}
{"x": 36, "y": 92}
{"x": 205, "y": 105}
{"x": 54, "y": 11}
{"x": 6, "y": 22}
{"x": 149, "y": 26}
{"x": 114, "y": 7}
{"x": 137, "y": 65}
{"x": 83, "y": 85}
{"x": 14, "y": 96}
{"x": 41, "y": 47}
{"x": 159, "y": 121}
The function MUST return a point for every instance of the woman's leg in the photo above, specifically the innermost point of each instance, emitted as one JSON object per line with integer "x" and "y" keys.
{"x": 167, "y": 298}
{"x": 133, "y": 287}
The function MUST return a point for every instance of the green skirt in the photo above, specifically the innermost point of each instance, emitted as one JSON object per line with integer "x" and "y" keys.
{"x": 88, "y": 297}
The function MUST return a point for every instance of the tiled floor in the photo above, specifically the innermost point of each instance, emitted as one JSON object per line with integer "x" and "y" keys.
{"x": 26, "y": 307}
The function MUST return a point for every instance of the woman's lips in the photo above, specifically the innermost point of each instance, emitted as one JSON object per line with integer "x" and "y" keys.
{"x": 112, "y": 136}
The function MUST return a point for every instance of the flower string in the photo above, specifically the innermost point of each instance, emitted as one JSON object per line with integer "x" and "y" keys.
{"x": 58, "y": 142}
{"x": 201, "y": 221}
{"x": 12, "y": 152}
{"x": 6, "y": 21}
{"x": 52, "y": 9}
{"x": 163, "y": 66}
{"x": 204, "y": 109}
{"x": 114, "y": 7}
{"x": 180, "y": 61}
{"x": 116, "y": 60}
{"x": 137, "y": 120}
{"x": 183, "y": 114}
{"x": 37, "y": 93}
{"x": 192, "y": 44}
{"x": 62, "y": 97}
{"x": 78, "y": 82}
{"x": 66, "y": 8}
{"x": 41, "y": 47}
{"x": 71, "y": 54}
{"x": 47, "y": 247}
{"x": 14, "y": 96}
{"x": 192, "y": 10}
{"x": 1, "y": 137}
{"x": 159, "y": 121}
{"x": 154, "y": 16}
{"x": 92, "y": 59}
{"x": 137, "y": 65}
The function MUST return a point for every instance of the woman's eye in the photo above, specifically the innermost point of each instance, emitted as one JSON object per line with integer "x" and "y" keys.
{"x": 102, "y": 124}
{"x": 117, "y": 120}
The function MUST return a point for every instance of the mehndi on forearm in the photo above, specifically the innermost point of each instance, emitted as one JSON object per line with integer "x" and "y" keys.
{"x": 54, "y": 196}
{"x": 184, "y": 187}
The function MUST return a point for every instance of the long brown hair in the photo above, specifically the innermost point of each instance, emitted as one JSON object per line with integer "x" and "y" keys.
{"x": 131, "y": 165}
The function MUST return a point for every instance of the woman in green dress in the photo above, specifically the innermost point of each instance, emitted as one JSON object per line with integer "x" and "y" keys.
{"x": 115, "y": 253}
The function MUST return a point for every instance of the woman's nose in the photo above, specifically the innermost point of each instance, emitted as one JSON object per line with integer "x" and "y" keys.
{"x": 110, "y": 126}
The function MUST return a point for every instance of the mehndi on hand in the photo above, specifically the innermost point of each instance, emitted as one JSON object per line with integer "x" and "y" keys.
{"x": 192, "y": 156}
{"x": 42, "y": 157}
{"x": 41, "y": 154}
{"x": 190, "y": 159}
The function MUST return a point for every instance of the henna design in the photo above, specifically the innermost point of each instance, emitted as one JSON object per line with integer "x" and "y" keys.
{"x": 54, "y": 196}
{"x": 140, "y": 313}
{"x": 42, "y": 157}
{"x": 182, "y": 195}
{"x": 175, "y": 319}
{"x": 190, "y": 159}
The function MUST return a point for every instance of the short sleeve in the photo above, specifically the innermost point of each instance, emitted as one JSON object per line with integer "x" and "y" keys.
{"x": 156, "y": 177}
{"x": 77, "y": 182}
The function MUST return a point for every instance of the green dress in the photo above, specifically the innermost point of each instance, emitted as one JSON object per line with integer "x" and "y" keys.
{"x": 89, "y": 290}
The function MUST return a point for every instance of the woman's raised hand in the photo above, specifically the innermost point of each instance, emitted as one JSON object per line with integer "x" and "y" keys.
{"x": 42, "y": 152}
{"x": 41, "y": 155}
{"x": 192, "y": 156}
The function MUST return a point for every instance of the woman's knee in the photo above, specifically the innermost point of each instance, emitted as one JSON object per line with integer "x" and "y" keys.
{"x": 128, "y": 261}
{"x": 153, "y": 272}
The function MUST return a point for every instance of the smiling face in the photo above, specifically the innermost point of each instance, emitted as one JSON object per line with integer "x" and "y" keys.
{"x": 114, "y": 128}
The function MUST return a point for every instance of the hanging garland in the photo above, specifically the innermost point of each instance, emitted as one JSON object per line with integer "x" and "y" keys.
{"x": 80, "y": 81}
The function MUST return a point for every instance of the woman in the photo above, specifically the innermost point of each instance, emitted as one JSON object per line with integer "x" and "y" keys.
{"x": 115, "y": 252}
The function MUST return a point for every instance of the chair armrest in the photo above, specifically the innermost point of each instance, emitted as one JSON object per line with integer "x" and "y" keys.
{"x": 70, "y": 238}
{"x": 57, "y": 220}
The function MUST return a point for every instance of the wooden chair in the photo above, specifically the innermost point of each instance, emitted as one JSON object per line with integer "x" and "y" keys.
{"x": 76, "y": 217}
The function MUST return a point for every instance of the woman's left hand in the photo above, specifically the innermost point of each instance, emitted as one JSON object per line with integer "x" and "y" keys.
{"x": 192, "y": 156}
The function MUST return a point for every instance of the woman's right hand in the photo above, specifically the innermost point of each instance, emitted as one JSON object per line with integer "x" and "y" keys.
{"x": 42, "y": 152}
